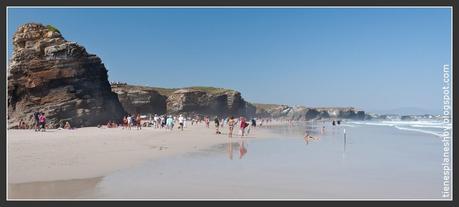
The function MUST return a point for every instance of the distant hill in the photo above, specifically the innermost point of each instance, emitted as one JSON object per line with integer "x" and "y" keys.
{"x": 408, "y": 111}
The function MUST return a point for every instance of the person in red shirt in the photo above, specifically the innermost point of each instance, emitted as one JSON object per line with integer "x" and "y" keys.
{"x": 243, "y": 124}
{"x": 42, "y": 120}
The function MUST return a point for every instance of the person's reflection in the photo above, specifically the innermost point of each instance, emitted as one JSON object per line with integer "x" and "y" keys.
{"x": 230, "y": 148}
{"x": 242, "y": 149}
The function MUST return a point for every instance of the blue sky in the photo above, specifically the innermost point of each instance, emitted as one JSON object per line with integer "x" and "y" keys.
{"x": 371, "y": 58}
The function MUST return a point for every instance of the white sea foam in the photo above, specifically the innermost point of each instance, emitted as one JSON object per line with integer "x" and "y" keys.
{"x": 349, "y": 125}
{"x": 423, "y": 126}
{"x": 419, "y": 130}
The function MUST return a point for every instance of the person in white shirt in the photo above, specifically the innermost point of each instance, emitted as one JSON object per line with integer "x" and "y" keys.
{"x": 181, "y": 122}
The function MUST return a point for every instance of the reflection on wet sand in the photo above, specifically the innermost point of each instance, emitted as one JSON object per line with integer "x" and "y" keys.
{"x": 230, "y": 149}
{"x": 66, "y": 189}
{"x": 242, "y": 148}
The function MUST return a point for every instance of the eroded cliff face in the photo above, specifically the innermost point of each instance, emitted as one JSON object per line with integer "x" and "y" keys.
{"x": 139, "y": 99}
{"x": 227, "y": 103}
{"x": 52, "y": 75}
{"x": 189, "y": 101}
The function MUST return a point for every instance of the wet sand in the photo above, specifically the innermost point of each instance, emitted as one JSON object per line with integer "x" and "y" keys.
{"x": 373, "y": 162}
{"x": 94, "y": 152}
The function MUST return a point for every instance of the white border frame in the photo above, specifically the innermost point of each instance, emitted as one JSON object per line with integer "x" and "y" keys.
{"x": 233, "y": 7}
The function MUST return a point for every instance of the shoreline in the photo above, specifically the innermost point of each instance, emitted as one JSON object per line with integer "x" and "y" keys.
{"x": 92, "y": 152}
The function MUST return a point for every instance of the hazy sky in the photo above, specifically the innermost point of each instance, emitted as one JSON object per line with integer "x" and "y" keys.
{"x": 374, "y": 59}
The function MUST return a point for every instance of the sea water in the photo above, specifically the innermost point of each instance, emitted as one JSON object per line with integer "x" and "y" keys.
{"x": 372, "y": 160}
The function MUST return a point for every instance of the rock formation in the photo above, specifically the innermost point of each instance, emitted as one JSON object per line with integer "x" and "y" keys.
{"x": 220, "y": 103}
{"x": 140, "y": 99}
{"x": 193, "y": 100}
{"x": 307, "y": 113}
{"x": 52, "y": 75}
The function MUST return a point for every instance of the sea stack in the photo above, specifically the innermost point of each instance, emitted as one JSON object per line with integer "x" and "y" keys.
{"x": 52, "y": 75}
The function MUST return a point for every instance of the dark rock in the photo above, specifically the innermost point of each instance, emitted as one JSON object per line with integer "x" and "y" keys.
{"x": 52, "y": 75}
{"x": 408, "y": 118}
{"x": 139, "y": 99}
{"x": 205, "y": 102}
{"x": 188, "y": 101}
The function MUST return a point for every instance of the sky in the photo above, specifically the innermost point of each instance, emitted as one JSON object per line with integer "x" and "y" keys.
{"x": 374, "y": 59}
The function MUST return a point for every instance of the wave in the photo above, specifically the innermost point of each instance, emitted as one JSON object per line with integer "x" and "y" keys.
{"x": 420, "y": 130}
{"x": 426, "y": 126}
{"x": 417, "y": 126}
{"x": 348, "y": 125}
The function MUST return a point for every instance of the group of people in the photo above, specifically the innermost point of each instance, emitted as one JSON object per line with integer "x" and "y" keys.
{"x": 39, "y": 123}
{"x": 334, "y": 123}
{"x": 242, "y": 122}
{"x": 164, "y": 121}
{"x": 168, "y": 122}
{"x": 130, "y": 121}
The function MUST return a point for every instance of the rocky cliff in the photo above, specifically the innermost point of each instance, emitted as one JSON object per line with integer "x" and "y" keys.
{"x": 220, "y": 102}
{"x": 52, "y": 75}
{"x": 307, "y": 113}
{"x": 140, "y": 99}
{"x": 193, "y": 100}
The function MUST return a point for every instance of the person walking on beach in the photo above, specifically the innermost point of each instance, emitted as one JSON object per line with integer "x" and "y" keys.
{"x": 129, "y": 121}
{"x": 231, "y": 124}
{"x": 169, "y": 123}
{"x": 206, "y": 119}
{"x": 158, "y": 122}
{"x": 181, "y": 120}
{"x": 37, "y": 121}
{"x": 138, "y": 122}
{"x": 155, "y": 121}
{"x": 42, "y": 120}
{"x": 243, "y": 125}
{"x": 163, "y": 121}
{"x": 217, "y": 125}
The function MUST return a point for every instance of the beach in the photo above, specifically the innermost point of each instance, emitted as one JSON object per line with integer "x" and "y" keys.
{"x": 375, "y": 160}
{"x": 93, "y": 152}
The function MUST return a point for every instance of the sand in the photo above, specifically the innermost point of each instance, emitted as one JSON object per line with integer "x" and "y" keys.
{"x": 94, "y": 152}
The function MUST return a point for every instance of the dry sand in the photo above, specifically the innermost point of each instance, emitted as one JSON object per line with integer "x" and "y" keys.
{"x": 93, "y": 152}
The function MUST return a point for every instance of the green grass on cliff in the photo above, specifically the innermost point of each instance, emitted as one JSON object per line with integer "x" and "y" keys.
{"x": 52, "y": 28}
{"x": 169, "y": 91}
{"x": 165, "y": 91}
{"x": 266, "y": 106}
{"x": 212, "y": 90}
